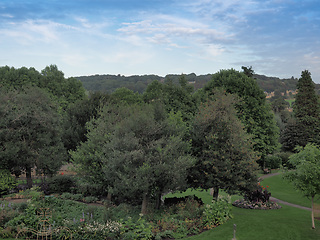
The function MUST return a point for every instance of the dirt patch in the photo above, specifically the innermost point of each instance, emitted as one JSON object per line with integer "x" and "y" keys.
{"x": 16, "y": 200}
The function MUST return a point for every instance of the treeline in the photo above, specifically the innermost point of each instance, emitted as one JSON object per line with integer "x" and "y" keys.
{"x": 136, "y": 146}
{"x": 139, "y": 83}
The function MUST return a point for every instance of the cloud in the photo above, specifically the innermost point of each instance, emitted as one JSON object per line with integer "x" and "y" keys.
{"x": 173, "y": 31}
{"x": 31, "y": 31}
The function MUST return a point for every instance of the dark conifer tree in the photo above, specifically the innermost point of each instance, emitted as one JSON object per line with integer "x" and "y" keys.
{"x": 307, "y": 110}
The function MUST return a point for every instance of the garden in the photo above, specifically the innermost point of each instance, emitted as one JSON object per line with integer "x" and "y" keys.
{"x": 191, "y": 214}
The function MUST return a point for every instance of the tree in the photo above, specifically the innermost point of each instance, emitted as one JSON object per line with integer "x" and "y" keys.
{"x": 134, "y": 151}
{"x": 126, "y": 96}
{"x": 30, "y": 133}
{"x": 307, "y": 109}
{"x": 252, "y": 109}
{"x": 225, "y": 157}
{"x": 77, "y": 115}
{"x": 306, "y": 176}
{"x": 248, "y": 71}
{"x": 64, "y": 91}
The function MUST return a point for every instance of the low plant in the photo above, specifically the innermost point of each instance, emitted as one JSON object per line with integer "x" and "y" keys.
{"x": 256, "y": 205}
{"x": 260, "y": 194}
{"x": 7, "y": 182}
{"x": 90, "y": 199}
{"x": 217, "y": 213}
{"x": 136, "y": 229}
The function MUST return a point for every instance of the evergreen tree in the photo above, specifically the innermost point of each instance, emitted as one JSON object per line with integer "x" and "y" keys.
{"x": 307, "y": 110}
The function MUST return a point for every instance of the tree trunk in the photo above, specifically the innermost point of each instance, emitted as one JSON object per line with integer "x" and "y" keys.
{"x": 28, "y": 176}
{"x": 144, "y": 204}
{"x": 215, "y": 193}
{"x": 312, "y": 212}
{"x": 109, "y": 196}
{"x": 158, "y": 200}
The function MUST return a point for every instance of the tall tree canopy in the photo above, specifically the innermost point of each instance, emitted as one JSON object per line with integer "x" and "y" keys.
{"x": 175, "y": 97}
{"x": 30, "y": 133}
{"x": 135, "y": 151}
{"x": 252, "y": 108}
{"x": 307, "y": 110}
{"x": 64, "y": 91}
{"x": 225, "y": 157}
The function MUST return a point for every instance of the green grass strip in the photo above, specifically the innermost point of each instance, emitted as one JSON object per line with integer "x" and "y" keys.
{"x": 285, "y": 191}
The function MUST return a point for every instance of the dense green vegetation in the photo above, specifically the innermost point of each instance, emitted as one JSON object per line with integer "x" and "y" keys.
{"x": 109, "y": 83}
{"x": 130, "y": 147}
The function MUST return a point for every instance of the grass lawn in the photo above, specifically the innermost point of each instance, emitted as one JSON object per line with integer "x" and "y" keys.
{"x": 285, "y": 223}
{"x": 284, "y": 191}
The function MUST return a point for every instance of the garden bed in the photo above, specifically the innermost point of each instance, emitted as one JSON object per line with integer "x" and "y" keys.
{"x": 256, "y": 205}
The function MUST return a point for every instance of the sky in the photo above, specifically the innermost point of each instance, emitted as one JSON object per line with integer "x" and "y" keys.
{"x": 279, "y": 38}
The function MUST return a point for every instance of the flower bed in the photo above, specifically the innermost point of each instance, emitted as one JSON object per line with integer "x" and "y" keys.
{"x": 256, "y": 205}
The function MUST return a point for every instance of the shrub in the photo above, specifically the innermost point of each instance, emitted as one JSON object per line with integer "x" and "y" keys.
{"x": 140, "y": 229}
{"x": 60, "y": 184}
{"x": 261, "y": 194}
{"x": 7, "y": 181}
{"x": 90, "y": 199}
{"x": 216, "y": 213}
{"x": 273, "y": 161}
{"x": 88, "y": 189}
{"x": 285, "y": 159}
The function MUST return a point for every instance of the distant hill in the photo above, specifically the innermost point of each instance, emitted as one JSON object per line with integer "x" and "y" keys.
{"x": 138, "y": 83}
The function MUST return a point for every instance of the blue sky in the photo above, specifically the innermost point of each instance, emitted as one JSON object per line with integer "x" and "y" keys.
{"x": 84, "y": 37}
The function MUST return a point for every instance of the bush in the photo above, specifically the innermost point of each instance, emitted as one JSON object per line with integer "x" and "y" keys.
{"x": 88, "y": 189}
{"x": 140, "y": 229}
{"x": 60, "y": 184}
{"x": 261, "y": 194}
{"x": 216, "y": 213}
{"x": 285, "y": 159}
{"x": 273, "y": 161}
{"x": 7, "y": 182}
{"x": 90, "y": 199}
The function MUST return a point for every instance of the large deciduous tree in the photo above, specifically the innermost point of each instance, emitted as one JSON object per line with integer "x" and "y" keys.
{"x": 225, "y": 157}
{"x": 175, "y": 97}
{"x": 306, "y": 175}
{"x": 30, "y": 134}
{"x": 135, "y": 151}
{"x": 252, "y": 109}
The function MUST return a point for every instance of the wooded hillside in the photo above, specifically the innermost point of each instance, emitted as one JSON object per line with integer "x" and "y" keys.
{"x": 138, "y": 83}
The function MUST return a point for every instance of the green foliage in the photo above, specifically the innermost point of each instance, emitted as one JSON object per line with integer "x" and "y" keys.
{"x": 306, "y": 176}
{"x": 136, "y": 229}
{"x": 175, "y": 97}
{"x": 216, "y": 213}
{"x": 225, "y": 155}
{"x": 7, "y": 182}
{"x": 76, "y": 117}
{"x": 29, "y": 218}
{"x": 61, "y": 183}
{"x": 51, "y": 79}
{"x": 273, "y": 161}
{"x": 133, "y": 150}
{"x": 125, "y": 96}
{"x": 30, "y": 133}
{"x": 252, "y": 109}
{"x": 307, "y": 110}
